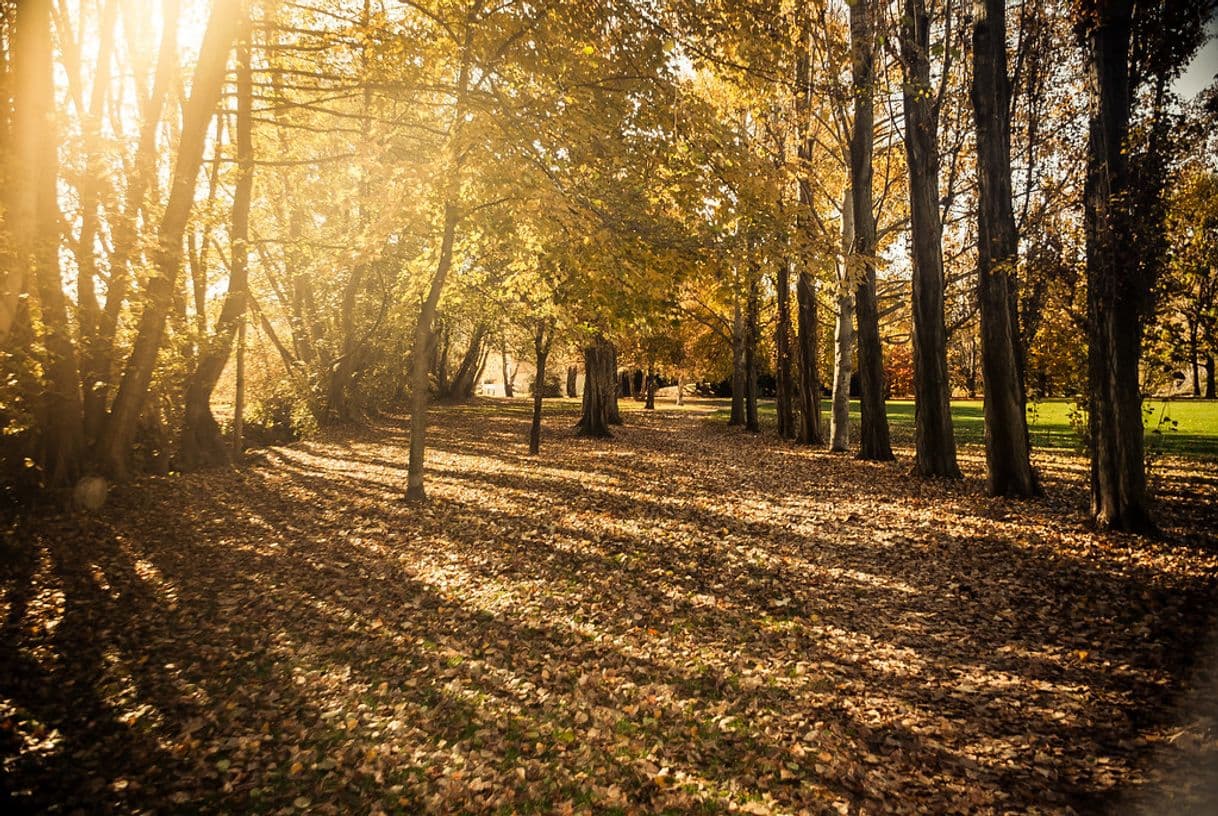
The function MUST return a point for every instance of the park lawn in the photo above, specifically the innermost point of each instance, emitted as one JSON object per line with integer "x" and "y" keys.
{"x": 1188, "y": 428}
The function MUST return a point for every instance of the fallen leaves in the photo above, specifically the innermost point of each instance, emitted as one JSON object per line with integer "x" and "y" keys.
{"x": 682, "y": 618}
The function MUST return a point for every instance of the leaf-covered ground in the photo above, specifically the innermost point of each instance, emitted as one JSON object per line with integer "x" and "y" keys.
{"x": 683, "y": 619}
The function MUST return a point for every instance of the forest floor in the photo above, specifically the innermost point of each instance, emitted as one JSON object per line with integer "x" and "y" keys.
{"x": 684, "y": 618}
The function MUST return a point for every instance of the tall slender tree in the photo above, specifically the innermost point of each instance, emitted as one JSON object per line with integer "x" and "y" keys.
{"x": 450, "y": 185}
{"x": 874, "y": 442}
{"x": 1007, "y": 452}
{"x": 784, "y": 385}
{"x": 809, "y": 431}
{"x": 843, "y": 334}
{"x": 934, "y": 444}
{"x": 202, "y": 443}
{"x": 34, "y": 230}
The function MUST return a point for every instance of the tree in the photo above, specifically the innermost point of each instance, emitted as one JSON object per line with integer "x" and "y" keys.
{"x": 114, "y": 444}
{"x": 34, "y": 232}
{"x": 1190, "y": 295}
{"x": 809, "y": 431}
{"x": 874, "y": 440}
{"x": 935, "y": 446}
{"x": 202, "y": 443}
{"x": 543, "y": 338}
{"x": 1124, "y": 210}
{"x": 1009, "y": 467}
{"x": 843, "y": 334}
{"x": 600, "y": 386}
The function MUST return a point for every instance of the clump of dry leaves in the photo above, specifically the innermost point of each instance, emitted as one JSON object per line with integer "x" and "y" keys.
{"x": 681, "y": 619}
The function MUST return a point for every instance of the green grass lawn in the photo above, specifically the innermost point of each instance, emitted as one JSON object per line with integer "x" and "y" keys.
{"x": 1189, "y": 427}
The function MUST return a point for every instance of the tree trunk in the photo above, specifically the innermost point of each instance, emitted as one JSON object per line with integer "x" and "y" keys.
{"x": 541, "y": 348}
{"x": 422, "y": 339}
{"x": 970, "y": 382}
{"x": 114, "y": 445}
{"x": 572, "y": 373}
{"x": 239, "y": 406}
{"x": 99, "y": 360}
{"x": 202, "y": 444}
{"x": 508, "y": 387}
{"x": 88, "y": 308}
{"x": 615, "y": 413}
{"x": 681, "y": 389}
{"x": 650, "y": 386}
{"x": 443, "y": 342}
{"x": 342, "y": 372}
{"x": 751, "y": 422}
{"x": 785, "y": 404}
{"x": 453, "y": 166}
{"x": 873, "y": 436}
{"x": 935, "y": 446}
{"x": 738, "y": 366}
{"x": 1006, "y": 430}
{"x": 810, "y": 430}
{"x": 1116, "y": 295}
{"x": 1193, "y": 356}
{"x": 466, "y": 378}
{"x": 34, "y": 227}
{"x": 599, "y": 389}
{"x": 1209, "y": 376}
{"x": 843, "y": 334}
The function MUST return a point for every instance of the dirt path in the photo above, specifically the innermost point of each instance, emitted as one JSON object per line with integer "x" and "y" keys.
{"x": 682, "y": 618}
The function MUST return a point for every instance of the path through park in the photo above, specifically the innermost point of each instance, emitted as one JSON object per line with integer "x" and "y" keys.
{"x": 683, "y": 618}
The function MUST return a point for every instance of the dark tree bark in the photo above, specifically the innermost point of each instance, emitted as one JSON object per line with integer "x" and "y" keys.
{"x": 782, "y": 357}
{"x": 935, "y": 445}
{"x": 114, "y": 445}
{"x": 615, "y": 413}
{"x": 811, "y": 430}
{"x": 649, "y": 386}
{"x": 543, "y": 335}
{"x": 600, "y": 388}
{"x": 34, "y": 230}
{"x": 509, "y": 389}
{"x": 1209, "y": 376}
{"x": 1115, "y": 295}
{"x": 1006, "y": 428}
{"x": 874, "y": 440}
{"x": 202, "y": 444}
{"x": 739, "y": 377}
{"x": 751, "y": 332}
{"x": 465, "y": 380}
{"x": 572, "y": 373}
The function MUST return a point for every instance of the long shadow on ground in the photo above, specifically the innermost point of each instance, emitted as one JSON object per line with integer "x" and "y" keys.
{"x": 681, "y": 618}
